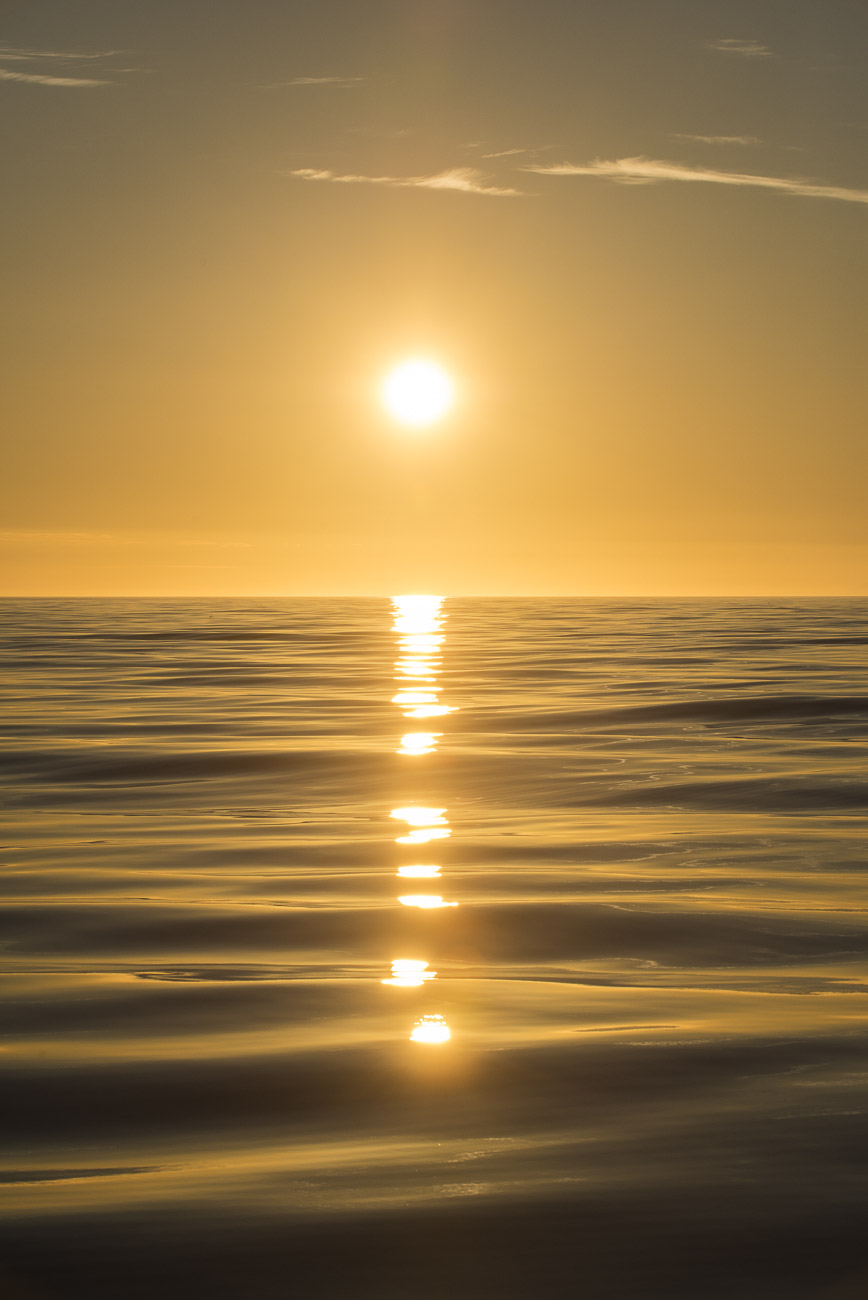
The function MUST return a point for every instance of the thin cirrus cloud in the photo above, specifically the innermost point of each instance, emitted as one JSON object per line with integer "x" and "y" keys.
{"x": 50, "y": 77}
{"x": 13, "y": 54}
{"x": 717, "y": 139}
{"x": 345, "y": 82}
{"x": 466, "y": 180}
{"x": 323, "y": 81}
{"x": 648, "y": 171}
{"x": 747, "y": 49}
{"x": 45, "y": 79}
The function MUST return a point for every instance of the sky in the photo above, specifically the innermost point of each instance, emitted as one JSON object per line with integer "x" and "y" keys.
{"x": 633, "y": 231}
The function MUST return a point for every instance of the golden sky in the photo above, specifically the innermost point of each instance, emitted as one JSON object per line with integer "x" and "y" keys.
{"x": 634, "y": 233}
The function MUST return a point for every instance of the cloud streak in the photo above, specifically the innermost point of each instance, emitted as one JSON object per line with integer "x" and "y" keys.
{"x": 322, "y": 81}
{"x": 43, "y": 79}
{"x": 12, "y": 54}
{"x": 717, "y": 139}
{"x": 747, "y": 49}
{"x": 648, "y": 171}
{"x": 465, "y": 180}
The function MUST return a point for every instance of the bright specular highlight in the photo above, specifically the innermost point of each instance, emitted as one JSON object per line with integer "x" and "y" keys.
{"x": 431, "y": 1029}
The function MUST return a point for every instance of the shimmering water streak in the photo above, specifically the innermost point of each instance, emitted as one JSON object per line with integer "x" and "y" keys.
{"x": 421, "y": 704}
{"x": 427, "y": 824}
{"x": 425, "y": 835}
{"x": 409, "y": 973}
{"x": 431, "y": 1029}
{"x": 419, "y": 626}
{"x": 425, "y": 901}
{"x": 419, "y": 742}
{"x": 420, "y": 816}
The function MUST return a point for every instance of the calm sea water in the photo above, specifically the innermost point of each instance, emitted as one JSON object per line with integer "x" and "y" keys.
{"x": 465, "y": 949}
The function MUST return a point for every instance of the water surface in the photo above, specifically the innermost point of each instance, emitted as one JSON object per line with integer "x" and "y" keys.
{"x": 468, "y": 948}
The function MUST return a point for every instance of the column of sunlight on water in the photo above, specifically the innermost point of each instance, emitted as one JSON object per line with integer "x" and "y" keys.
{"x": 407, "y": 973}
{"x": 418, "y": 625}
{"x": 426, "y": 824}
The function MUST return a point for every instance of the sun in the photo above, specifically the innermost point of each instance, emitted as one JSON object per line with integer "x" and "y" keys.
{"x": 418, "y": 393}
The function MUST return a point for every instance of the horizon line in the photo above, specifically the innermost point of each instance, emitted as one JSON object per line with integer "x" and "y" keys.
{"x": 486, "y": 595}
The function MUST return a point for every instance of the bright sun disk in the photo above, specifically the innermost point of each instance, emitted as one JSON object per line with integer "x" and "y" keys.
{"x": 418, "y": 393}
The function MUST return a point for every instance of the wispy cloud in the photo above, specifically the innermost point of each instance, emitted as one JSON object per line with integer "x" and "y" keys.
{"x": 747, "y": 49}
{"x": 467, "y": 180}
{"x": 530, "y": 150}
{"x": 717, "y": 139}
{"x": 43, "y": 79}
{"x": 49, "y": 77}
{"x": 314, "y": 81}
{"x": 12, "y": 53}
{"x": 648, "y": 171}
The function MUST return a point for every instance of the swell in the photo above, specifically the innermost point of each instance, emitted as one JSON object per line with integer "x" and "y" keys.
{"x": 181, "y": 767}
{"x": 734, "y": 709}
{"x": 669, "y": 934}
{"x": 810, "y": 794}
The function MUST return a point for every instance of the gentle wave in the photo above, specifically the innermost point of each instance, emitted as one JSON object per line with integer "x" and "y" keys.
{"x": 697, "y": 710}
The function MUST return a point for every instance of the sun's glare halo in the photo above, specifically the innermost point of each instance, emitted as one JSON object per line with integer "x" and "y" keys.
{"x": 418, "y": 392}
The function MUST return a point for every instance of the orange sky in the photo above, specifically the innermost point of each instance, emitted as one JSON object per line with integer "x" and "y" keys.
{"x": 635, "y": 234}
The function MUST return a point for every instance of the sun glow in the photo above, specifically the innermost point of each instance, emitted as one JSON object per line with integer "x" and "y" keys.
{"x": 418, "y": 393}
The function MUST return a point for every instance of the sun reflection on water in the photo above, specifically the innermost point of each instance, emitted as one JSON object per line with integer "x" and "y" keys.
{"x": 431, "y": 1029}
{"x": 427, "y": 823}
{"x": 418, "y": 624}
{"x": 416, "y": 669}
{"x": 407, "y": 973}
{"x": 420, "y": 643}
{"x": 416, "y": 613}
{"x": 424, "y": 901}
{"x": 418, "y": 816}
{"x": 419, "y": 742}
{"x": 423, "y": 837}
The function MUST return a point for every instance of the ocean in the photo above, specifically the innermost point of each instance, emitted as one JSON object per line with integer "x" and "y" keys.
{"x": 455, "y": 949}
